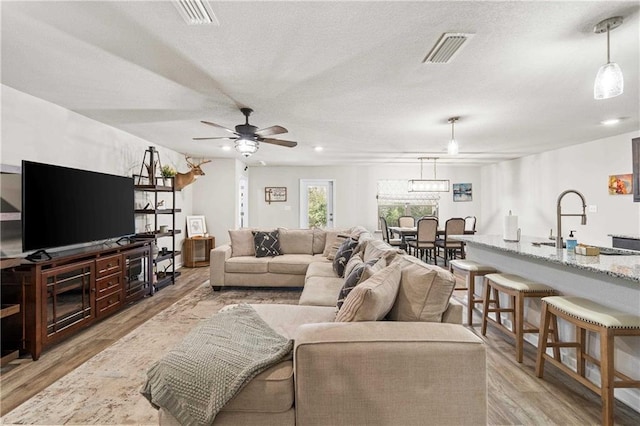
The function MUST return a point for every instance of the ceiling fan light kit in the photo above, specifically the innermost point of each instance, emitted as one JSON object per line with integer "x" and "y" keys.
{"x": 429, "y": 185}
{"x": 248, "y": 137}
{"x": 609, "y": 80}
{"x": 452, "y": 148}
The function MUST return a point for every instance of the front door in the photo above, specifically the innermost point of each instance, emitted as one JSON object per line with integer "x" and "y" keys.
{"x": 316, "y": 203}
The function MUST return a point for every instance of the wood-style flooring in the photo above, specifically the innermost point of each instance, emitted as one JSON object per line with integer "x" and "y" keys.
{"x": 515, "y": 394}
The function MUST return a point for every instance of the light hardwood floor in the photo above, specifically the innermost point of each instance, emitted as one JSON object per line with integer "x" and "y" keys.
{"x": 515, "y": 395}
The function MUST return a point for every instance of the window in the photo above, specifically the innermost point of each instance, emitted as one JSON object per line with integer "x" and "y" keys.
{"x": 394, "y": 200}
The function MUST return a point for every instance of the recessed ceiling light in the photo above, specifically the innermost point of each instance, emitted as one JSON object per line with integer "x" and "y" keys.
{"x": 610, "y": 122}
{"x": 318, "y": 148}
{"x": 226, "y": 148}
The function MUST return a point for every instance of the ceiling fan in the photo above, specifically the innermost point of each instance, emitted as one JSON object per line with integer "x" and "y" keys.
{"x": 248, "y": 137}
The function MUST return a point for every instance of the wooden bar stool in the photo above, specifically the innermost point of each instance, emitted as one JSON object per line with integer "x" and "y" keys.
{"x": 465, "y": 273}
{"x": 586, "y": 315}
{"x": 518, "y": 289}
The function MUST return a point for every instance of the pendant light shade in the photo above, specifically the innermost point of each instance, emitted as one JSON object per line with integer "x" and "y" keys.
{"x": 609, "y": 80}
{"x": 429, "y": 185}
{"x": 452, "y": 148}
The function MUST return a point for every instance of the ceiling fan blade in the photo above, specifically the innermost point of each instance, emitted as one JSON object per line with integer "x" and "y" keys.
{"x": 273, "y": 130}
{"x": 288, "y": 144}
{"x": 208, "y": 123}
{"x": 204, "y": 139}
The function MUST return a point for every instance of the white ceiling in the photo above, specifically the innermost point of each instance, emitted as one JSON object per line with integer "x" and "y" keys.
{"x": 347, "y": 76}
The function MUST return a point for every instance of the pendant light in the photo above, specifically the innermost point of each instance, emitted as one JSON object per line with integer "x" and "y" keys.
{"x": 609, "y": 80}
{"x": 429, "y": 185}
{"x": 452, "y": 148}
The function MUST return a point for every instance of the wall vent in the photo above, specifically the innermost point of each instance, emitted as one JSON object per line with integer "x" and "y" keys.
{"x": 196, "y": 12}
{"x": 447, "y": 46}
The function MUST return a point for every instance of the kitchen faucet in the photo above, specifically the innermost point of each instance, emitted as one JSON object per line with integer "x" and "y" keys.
{"x": 560, "y": 214}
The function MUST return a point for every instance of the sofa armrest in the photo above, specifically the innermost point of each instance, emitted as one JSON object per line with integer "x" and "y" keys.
{"x": 453, "y": 313}
{"x": 387, "y": 372}
{"x": 219, "y": 256}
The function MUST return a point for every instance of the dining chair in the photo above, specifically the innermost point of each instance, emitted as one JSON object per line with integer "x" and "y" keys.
{"x": 470, "y": 224}
{"x": 406, "y": 222}
{"x": 451, "y": 247}
{"x": 425, "y": 243}
{"x": 386, "y": 236}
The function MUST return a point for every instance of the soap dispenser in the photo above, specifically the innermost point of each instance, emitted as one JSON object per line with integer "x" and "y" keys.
{"x": 571, "y": 242}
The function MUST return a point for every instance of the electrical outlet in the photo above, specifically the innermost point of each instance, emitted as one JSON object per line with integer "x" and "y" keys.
{"x": 593, "y": 208}
{"x": 287, "y": 208}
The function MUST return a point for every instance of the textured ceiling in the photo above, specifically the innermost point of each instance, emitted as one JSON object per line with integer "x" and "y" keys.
{"x": 347, "y": 76}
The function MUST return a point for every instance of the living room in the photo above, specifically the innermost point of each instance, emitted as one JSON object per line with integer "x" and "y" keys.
{"x": 105, "y": 124}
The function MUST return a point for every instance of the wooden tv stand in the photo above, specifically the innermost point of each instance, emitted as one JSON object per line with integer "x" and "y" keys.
{"x": 60, "y": 296}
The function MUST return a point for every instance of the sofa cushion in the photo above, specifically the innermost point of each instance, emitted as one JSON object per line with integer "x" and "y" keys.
{"x": 295, "y": 241}
{"x": 285, "y": 319}
{"x": 271, "y": 391}
{"x": 242, "y": 242}
{"x": 295, "y": 264}
{"x": 372, "y": 299}
{"x": 247, "y": 265}
{"x": 377, "y": 248}
{"x": 424, "y": 292}
{"x": 355, "y": 260}
{"x": 343, "y": 255}
{"x": 266, "y": 243}
{"x": 321, "y": 291}
{"x": 319, "y": 240}
{"x": 320, "y": 269}
{"x": 331, "y": 238}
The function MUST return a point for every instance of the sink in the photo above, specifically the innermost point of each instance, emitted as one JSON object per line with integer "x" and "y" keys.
{"x": 548, "y": 243}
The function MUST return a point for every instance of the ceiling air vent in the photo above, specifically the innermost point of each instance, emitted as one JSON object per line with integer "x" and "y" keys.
{"x": 446, "y": 48}
{"x": 196, "y": 12}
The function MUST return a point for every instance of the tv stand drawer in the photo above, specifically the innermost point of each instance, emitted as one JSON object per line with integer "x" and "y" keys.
{"x": 108, "y": 265}
{"x": 108, "y": 304}
{"x": 108, "y": 285}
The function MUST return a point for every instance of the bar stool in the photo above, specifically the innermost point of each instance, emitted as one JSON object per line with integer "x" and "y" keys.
{"x": 586, "y": 315}
{"x": 518, "y": 289}
{"x": 465, "y": 273}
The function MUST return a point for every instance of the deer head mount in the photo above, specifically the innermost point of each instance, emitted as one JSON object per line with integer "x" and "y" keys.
{"x": 183, "y": 179}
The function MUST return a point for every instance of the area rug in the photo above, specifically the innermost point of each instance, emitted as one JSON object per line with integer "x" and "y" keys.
{"x": 105, "y": 389}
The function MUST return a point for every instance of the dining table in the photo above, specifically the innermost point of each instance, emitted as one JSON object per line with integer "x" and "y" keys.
{"x": 412, "y": 231}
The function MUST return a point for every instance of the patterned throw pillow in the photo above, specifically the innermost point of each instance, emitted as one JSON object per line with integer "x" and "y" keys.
{"x": 353, "y": 279}
{"x": 343, "y": 255}
{"x": 266, "y": 243}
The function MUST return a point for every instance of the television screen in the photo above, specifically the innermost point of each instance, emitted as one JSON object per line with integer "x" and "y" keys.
{"x": 63, "y": 206}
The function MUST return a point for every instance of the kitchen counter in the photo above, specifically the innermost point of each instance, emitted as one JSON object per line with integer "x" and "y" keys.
{"x": 612, "y": 280}
{"x": 625, "y": 265}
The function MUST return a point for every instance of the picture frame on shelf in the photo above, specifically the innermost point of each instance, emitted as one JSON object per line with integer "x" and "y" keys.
{"x": 196, "y": 226}
{"x": 275, "y": 194}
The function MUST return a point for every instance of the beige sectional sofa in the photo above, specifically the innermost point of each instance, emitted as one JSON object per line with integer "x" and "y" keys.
{"x": 403, "y": 371}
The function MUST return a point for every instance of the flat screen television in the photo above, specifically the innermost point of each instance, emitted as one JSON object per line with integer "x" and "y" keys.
{"x": 62, "y": 206}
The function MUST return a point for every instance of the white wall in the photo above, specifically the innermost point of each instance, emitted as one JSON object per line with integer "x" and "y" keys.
{"x": 37, "y": 130}
{"x": 530, "y": 187}
{"x": 216, "y": 196}
{"x": 355, "y": 192}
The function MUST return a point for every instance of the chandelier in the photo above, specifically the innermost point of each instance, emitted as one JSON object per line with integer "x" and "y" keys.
{"x": 429, "y": 185}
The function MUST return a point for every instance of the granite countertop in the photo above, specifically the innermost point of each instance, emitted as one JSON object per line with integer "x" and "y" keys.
{"x": 631, "y": 237}
{"x": 625, "y": 265}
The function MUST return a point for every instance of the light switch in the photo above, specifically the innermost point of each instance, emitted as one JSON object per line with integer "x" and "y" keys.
{"x": 593, "y": 208}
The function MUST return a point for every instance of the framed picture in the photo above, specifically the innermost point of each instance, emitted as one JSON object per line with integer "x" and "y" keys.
{"x": 275, "y": 194}
{"x": 196, "y": 227}
{"x": 462, "y": 192}
{"x": 620, "y": 184}
{"x": 635, "y": 150}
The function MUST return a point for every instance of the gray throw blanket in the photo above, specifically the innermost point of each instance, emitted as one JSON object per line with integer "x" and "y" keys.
{"x": 213, "y": 363}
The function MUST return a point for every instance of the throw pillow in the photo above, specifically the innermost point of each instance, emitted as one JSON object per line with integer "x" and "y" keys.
{"x": 266, "y": 243}
{"x": 343, "y": 254}
{"x": 319, "y": 240}
{"x": 355, "y": 260}
{"x": 372, "y": 299}
{"x": 241, "y": 242}
{"x": 337, "y": 242}
{"x": 355, "y": 276}
{"x": 295, "y": 241}
{"x": 424, "y": 293}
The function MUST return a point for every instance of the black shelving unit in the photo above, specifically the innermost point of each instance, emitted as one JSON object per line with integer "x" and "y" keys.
{"x": 165, "y": 274}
